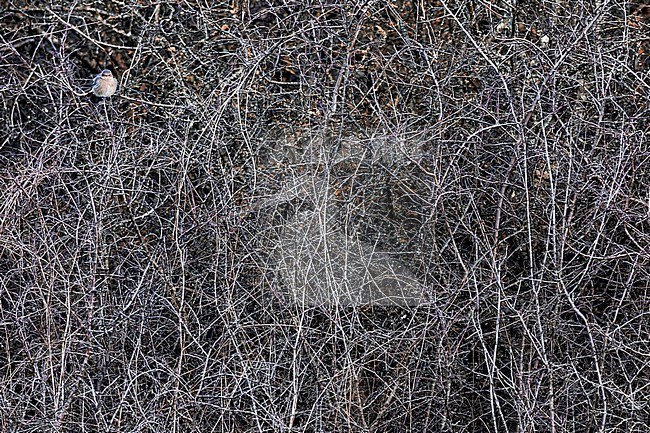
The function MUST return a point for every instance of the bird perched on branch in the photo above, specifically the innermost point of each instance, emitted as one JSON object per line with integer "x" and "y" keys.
{"x": 104, "y": 84}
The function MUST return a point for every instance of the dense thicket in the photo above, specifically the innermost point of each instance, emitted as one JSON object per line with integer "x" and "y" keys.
{"x": 497, "y": 150}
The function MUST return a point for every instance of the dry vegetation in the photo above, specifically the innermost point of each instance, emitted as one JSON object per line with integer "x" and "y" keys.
{"x": 500, "y": 152}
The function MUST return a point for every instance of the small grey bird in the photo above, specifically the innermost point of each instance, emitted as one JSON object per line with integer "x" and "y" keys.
{"x": 104, "y": 84}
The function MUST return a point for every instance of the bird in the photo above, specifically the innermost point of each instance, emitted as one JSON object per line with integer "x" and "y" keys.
{"x": 104, "y": 84}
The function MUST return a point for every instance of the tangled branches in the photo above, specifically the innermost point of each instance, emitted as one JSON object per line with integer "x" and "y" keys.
{"x": 325, "y": 216}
